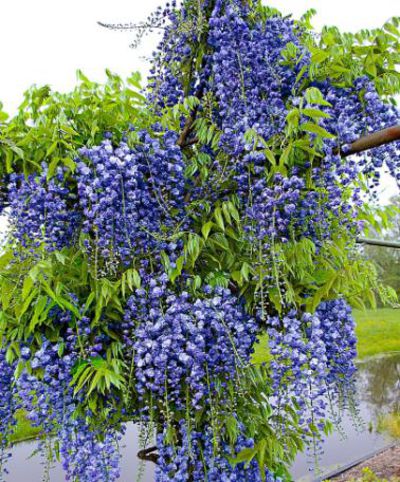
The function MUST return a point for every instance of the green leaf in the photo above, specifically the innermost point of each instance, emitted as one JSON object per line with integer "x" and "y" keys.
{"x": 51, "y": 148}
{"x": 233, "y": 212}
{"x": 69, "y": 306}
{"x": 60, "y": 257}
{"x": 389, "y": 27}
{"x": 27, "y": 287}
{"x": 89, "y": 301}
{"x": 9, "y": 162}
{"x": 27, "y": 303}
{"x": 261, "y": 452}
{"x": 314, "y": 96}
{"x": 205, "y": 230}
{"x": 7, "y": 290}
{"x": 270, "y": 156}
{"x": 284, "y": 159}
{"x": 197, "y": 282}
{"x": 245, "y": 270}
{"x": 319, "y": 56}
{"x": 69, "y": 163}
{"x": 5, "y": 259}
{"x": 219, "y": 219}
{"x": 178, "y": 270}
{"x": 315, "y": 113}
{"x": 245, "y": 456}
{"x": 18, "y": 151}
{"x": 3, "y": 116}
{"x": 231, "y": 425}
{"x": 316, "y": 129}
{"x": 39, "y": 309}
{"x": 136, "y": 280}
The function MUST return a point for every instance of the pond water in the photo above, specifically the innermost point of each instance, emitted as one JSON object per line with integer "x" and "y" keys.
{"x": 378, "y": 388}
{"x": 378, "y": 392}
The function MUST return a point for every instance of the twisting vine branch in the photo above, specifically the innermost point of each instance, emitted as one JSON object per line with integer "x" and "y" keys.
{"x": 189, "y": 124}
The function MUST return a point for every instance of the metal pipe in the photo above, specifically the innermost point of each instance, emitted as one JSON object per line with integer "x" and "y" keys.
{"x": 379, "y": 242}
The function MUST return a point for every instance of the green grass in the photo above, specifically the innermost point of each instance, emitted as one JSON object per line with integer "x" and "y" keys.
{"x": 390, "y": 423}
{"x": 378, "y": 331}
{"x": 261, "y": 353}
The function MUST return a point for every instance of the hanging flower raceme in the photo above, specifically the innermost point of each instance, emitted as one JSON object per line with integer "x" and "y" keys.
{"x": 311, "y": 355}
{"x": 7, "y": 409}
{"x": 355, "y": 112}
{"x": 184, "y": 344}
{"x": 249, "y": 78}
{"x": 338, "y": 334}
{"x": 132, "y": 199}
{"x": 42, "y": 210}
{"x": 204, "y": 456}
{"x": 290, "y": 211}
{"x": 275, "y": 211}
{"x": 46, "y": 395}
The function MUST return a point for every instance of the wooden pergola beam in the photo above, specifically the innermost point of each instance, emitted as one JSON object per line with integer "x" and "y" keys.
{"x": 377, "y": 139}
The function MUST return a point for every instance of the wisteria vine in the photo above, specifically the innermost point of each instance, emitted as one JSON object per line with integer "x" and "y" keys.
{"x": 138, "y": 280}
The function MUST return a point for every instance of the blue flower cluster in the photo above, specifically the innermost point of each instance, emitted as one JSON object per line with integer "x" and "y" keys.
{"x": 311, "y": 354}
{"x": 131, "y": 197}
{"x": 275, "y": 212}
{"x": 184, "y": 343}
{"x": 195, "y": 458}
{"x": 338, "y": 335}
{"x": 289, "y": 211}
{"x": 249, "y": 78}
{"x": 129, "y": 203}
{"x": 165, "y": 85}
{"x": 47, "y": 397}
{"x": 7, "y": 409}
{"x": 355, "y": 112}
{"x": 254, "y": 86}
{"x": 42, "y": 210}
{"x": 185, "y": 30}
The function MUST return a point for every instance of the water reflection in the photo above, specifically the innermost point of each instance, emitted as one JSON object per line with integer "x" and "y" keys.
{"x": 378, "y": 393}
{"x": 25, "y": 467}
{"x": 378, "y": 388}
{"x": 379, "y": 384}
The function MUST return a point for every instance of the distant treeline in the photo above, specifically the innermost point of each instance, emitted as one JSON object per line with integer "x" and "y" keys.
{"x": 387, "y": 259}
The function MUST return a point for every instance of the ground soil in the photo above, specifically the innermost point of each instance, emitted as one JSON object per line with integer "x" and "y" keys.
{"x": 385, "y": 465}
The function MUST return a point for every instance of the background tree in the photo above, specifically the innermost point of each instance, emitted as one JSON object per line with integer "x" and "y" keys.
{"x": 388, "y": 260}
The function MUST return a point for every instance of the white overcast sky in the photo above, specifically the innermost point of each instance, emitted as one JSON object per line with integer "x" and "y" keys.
{"x": 45, "y": 41}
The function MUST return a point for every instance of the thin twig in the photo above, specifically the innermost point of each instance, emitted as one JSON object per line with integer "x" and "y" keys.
{"x": 130, "y": 26}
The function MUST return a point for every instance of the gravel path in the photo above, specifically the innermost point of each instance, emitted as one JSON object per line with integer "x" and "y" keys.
{"x": 385, "y": 465}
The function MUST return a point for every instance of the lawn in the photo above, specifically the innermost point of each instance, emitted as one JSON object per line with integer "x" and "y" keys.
{"x": 378, "y": 331}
